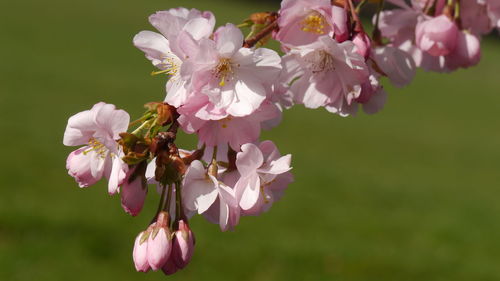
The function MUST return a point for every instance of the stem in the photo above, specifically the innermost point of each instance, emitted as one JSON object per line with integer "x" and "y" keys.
{"x": 166, "y": 208}
{"x": 179, "y": 211}
{"x": 160, "y": 204}
{"x": 214, "y": 154}
{"x": 145, "y": 117}
{"x": 377, "y": 37}
{"x": 359, "y": 26}
{"x": 250, "y": 42}
{"x": 360, "y": 5}
{"x": 140, "y": 128}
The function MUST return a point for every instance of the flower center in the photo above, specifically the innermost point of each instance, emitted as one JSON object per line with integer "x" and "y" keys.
{"x": 223, "y": 71}
{"x": 169, "y": 66}
{"x": 98, "y": 147}
{"x": 314, "y": 22}
{"x": 322, "y": 61}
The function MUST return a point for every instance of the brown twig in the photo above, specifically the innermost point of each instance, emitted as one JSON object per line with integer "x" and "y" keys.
{"x": 249, "y": 43}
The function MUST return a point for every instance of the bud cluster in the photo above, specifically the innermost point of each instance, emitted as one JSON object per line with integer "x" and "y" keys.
{"x": 226, "y": 88}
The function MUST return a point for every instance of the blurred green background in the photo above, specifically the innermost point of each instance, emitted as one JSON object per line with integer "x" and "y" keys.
{"x": 411, "y": 193}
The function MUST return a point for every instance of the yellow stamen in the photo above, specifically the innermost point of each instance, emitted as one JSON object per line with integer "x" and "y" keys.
{"x": 169, "y": 65}
{"x": 223, "y": 71}
{"x": 314, "y": 22}
{"x": 98, "y": 147}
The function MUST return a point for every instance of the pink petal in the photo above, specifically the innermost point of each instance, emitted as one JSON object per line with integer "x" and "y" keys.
{"x": 249, "y": 159}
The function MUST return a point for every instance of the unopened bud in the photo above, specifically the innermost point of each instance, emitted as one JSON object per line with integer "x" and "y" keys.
{"x": 169, "y": 268}
{"x": 139, "y": 253}
{"x": 182, "y": 245}
{"x": 159, "y": 243}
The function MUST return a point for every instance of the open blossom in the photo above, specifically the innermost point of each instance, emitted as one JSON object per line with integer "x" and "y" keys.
{"x": 231, "y": 130}
{"x": 372, "y": 97}
{"x": 302, "y": 22}
{"x": 181, "y": 29}
{"x": 97, "y": 129}
{"x": 330, "y": 74}
{"x": 436, "y": 43}
{"x": 207, "y": 195}
{"x": 230, "y": 76}
{"x": 396, "y": 64}
{"x": 264, "y": 175}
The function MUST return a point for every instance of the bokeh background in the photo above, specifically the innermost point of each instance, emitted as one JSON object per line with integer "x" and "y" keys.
{"x": 411, "y": 193}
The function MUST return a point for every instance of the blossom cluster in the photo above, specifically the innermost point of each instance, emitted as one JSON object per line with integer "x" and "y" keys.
{"x": 225, "y": 88}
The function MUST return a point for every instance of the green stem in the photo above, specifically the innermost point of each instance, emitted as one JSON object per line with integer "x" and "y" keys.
{"x": 360, "y": 5}
{"x": 179, "y": 211}
{"x": 140, "y": 128}
{"x": 166, "y": 208}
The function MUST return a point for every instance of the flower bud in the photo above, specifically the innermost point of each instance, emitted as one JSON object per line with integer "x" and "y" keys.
{"x": 159, "y": 243}
{"x": 169, "y": 268}
{"x": 139, "y": 253}
{"x": 133, "y": 193}
{"x": 437, "y": 36}
{"x": 182, "y": 245}
{"x": 363, "y": 44}
{"x": 467, "y": 52}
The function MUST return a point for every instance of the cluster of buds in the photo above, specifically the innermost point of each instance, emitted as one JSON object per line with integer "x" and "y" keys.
{"x": 225, "y": 87}
{"x": 160, "y": 248}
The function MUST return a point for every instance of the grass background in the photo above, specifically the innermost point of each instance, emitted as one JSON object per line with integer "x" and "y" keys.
{"x": 411, "y": 193}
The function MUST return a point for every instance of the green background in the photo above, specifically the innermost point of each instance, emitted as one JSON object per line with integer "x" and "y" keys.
{"x": 411, "y": 193}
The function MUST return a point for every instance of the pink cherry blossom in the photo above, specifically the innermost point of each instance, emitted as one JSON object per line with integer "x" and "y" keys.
{"x": 231, "y": 130}
{"x": 97, "y": 129}
{"x": 363, "y": 44}
{"x": 437, "y": 36}
{"x": 330, "y": 74}
{"x": 181, "y": 29}
{"x": 475, "y": 16}
{"x": 259, "y": 167}
{"x": 396, "y": 64}
{"x": 372, "y": 97}
{"x": 140, "y": 254}
{"x": 302, "y": 22}
{"x": 398, "y": 25}
{"x": 182, "y": 245}
{"x": 209, "y": 196}
{"x": 230, "y": 77}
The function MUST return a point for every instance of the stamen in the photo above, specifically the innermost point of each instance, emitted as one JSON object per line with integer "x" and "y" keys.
{"x": 98, "y": 147}
{"x": 170, "y": 65}
{"x": 323, "y": 61}
{"x": 223, "y": 71}
{"x": 314, "y": 22}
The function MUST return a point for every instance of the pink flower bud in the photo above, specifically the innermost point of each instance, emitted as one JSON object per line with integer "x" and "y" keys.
{"x": 140, "y": 253}
{"x": 363, "y": 44}
{"x": 437, "y": 36}
{"x": 467, "y": 52}
{"x": 159, "y": 243}
{"x": 340, "y": 23}
{"x": 133, "y": 194}
{"x": 182, "y": 245}
{"x": 169, "y": 268}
